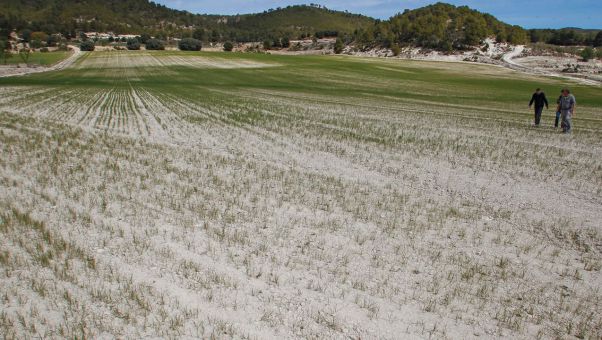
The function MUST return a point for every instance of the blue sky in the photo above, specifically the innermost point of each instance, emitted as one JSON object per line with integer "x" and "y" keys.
{"x": 527, "y": 13}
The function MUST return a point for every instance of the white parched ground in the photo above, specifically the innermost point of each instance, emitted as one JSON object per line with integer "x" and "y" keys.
{"x": 128, "y": 212}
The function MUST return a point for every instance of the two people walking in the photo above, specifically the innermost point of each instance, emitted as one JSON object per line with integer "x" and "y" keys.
{"x": 564, "y": 111}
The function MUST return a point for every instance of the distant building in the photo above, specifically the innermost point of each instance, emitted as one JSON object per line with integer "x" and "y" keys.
{"x": 127, "y": 36}
{"x": 108, "y": 35}
{"x": 104, "y": 36}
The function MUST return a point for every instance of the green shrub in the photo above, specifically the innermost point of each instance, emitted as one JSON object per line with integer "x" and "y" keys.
{"x": 228, "y": 46}
{"x": 87, "y": 45}
{"x": 24, "y": 54}
{"x": 339, "y": 46}
{"x": 587, "y": 54}
{"x": 5, "y": 53}
{"x": 44, "y": 50}
{"x": 133, "y": 44}
{"x": 155, "y": 45}
{"x": 598, "y": 40}
{"x": 53, "y": 40}
{"x": 190, "y": 44}
{"x": 35, "y": 43}
{"x": 144, "y": 38}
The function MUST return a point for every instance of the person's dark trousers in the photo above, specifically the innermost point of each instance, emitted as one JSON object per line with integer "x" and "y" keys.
{"x": 557, "y": 119}
{"x": 566, "y": 122}
{"x": 538, "y": 111}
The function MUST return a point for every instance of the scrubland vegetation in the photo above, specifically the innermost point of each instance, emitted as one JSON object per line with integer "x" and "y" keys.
{"x": 439, "y": 26}
{"x": 170, "y": 194}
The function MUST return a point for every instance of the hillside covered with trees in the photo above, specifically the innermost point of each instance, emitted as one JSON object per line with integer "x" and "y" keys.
{"x": 297, "y": 22}
{"x": 69, "y": 17}
{"x": 440, "y": 26}
{"x": 567, "y": 37}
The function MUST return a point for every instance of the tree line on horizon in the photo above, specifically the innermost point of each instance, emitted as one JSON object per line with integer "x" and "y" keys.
{"x": 439, "y": 26}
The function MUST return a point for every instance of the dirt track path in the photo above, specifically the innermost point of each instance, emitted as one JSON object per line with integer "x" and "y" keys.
{"x": 508, "y": 59}
{"x": 513, "y": 54}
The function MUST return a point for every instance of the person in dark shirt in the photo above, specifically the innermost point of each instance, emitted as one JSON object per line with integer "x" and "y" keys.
{"x": 540, "y": 100}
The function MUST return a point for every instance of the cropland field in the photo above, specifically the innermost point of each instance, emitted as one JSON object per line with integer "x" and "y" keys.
{"x": 197, "y": 195}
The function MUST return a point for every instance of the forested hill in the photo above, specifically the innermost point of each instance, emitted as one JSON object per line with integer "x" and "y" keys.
{"x": 441, "y": 26}
{"x": 64, "y": 16}
{"x": 301, "y": 21}
{"x": 139, "y": 16}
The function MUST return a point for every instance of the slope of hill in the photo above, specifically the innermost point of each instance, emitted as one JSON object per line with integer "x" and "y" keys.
{"x": 120, "y": 16}
{"x": 137, "y": 16}
{"x": 308, "y": 19}
{"x": 440, "y": 26}
{"x": 569, "y": 36}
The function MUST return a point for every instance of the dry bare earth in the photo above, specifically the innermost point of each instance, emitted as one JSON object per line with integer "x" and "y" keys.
{"x": 312, "y": 197}
{"x": 564, "y": 66}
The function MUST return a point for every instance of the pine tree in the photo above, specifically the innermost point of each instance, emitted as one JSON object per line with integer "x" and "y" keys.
{"x": 598, "y": 40}
{"x": 339, "y": 46}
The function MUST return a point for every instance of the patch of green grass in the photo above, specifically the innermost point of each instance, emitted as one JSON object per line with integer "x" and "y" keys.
{"x": 40, "y": 58}
{"x": 341, "y": 76}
